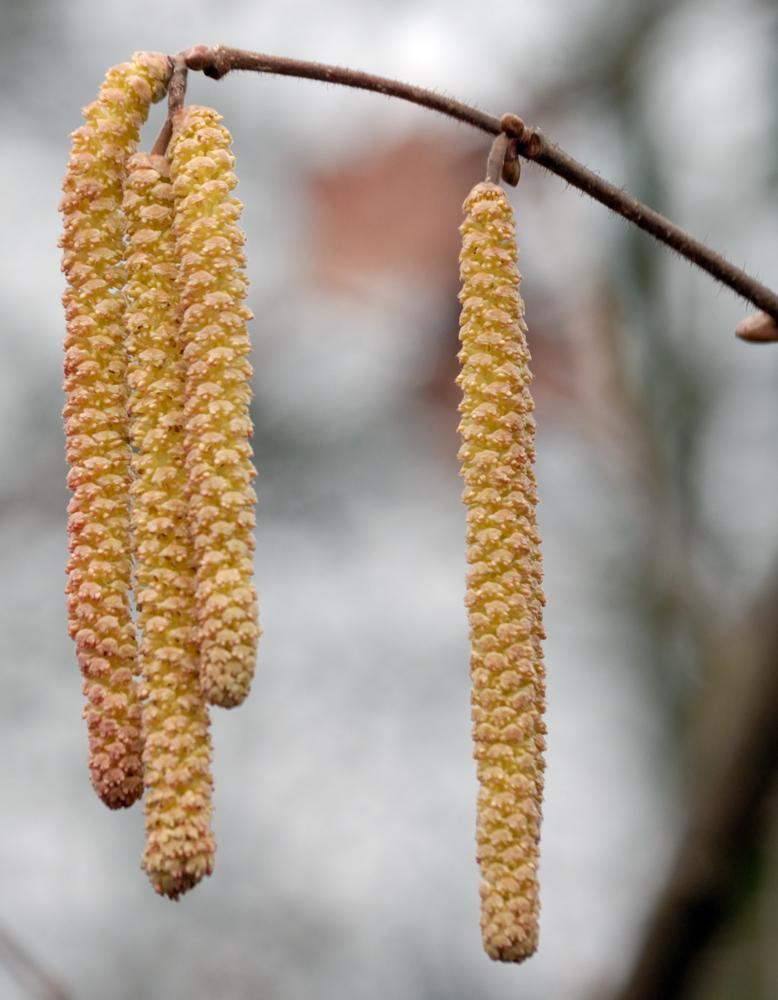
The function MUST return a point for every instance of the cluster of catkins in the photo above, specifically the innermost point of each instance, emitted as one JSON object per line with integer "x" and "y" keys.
{"x": 157, "y": 429}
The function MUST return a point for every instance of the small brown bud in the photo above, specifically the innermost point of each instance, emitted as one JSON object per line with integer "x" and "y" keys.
{"x": 761, "y": 328}
{"x": 532, "y": 142}
{"x": 513, "y": 126}
{"x": 199, "y": 57}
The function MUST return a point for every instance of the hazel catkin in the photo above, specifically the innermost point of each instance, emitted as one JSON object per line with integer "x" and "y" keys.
{"x": 177, "y": 747}
{"x": 217, "y": 423}
{"x": 504, "y": 595}
{"x": 96, "y": 428}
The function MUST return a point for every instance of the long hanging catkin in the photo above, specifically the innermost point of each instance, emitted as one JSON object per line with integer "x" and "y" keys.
{"x": 218, "y": 427}
{"x": 96, "y": 428}
{"x": 504, "y": 596}
{"x": 177, "y": 747}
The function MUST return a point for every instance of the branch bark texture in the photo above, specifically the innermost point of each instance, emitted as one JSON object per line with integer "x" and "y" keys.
{"x": 531, "y": 143}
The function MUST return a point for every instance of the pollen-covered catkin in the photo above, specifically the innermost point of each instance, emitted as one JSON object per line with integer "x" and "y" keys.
{"x": 504, "y": 595}
{"x": 177, "y": 747}
{"x": 96, "y": 426}
{"x": 217, "y": 423}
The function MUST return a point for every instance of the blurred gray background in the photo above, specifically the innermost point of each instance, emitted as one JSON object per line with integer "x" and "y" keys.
{"x": 345, "y": 787}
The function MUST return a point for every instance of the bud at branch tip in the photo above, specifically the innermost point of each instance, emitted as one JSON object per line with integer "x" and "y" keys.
{"x": 761, "y": 328}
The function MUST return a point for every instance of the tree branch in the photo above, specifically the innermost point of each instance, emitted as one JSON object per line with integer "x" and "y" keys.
{"x": 531, "y": 143}
{"x": 725, "y": 827}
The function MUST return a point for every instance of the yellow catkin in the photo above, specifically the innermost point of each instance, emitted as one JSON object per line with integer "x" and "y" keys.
{"x": 504, "y": 595}
{"x": 96, "y": 422}
{"x": 177, "y": 747}
{"x": 218, "y": 427}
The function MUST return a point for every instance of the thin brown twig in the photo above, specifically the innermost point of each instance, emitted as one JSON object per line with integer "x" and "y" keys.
{"x": 531, "y": 143}
{"x": 726, "y": 825}
{"x": 176, "y": 95}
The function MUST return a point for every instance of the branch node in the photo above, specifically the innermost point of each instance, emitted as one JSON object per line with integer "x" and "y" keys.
{"x": 198, "y": 57}
{"x": 532, "y": 143}
{"x": 221, "y": 64}
{"x": 513, "y": 126}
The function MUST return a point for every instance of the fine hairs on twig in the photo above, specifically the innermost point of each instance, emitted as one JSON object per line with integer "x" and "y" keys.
{"x": 217, "y": 61}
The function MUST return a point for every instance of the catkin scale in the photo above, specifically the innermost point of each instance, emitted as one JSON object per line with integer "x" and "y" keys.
{"x": 217, "y": 423}
{"x": 99, "y": 568}
{"x": 177, "y": 747}
{"x": 504, "y": 595}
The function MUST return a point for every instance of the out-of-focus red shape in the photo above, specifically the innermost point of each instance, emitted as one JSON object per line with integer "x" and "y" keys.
{"x": 390, "y": 215}
{"x": 393, "y": 211}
